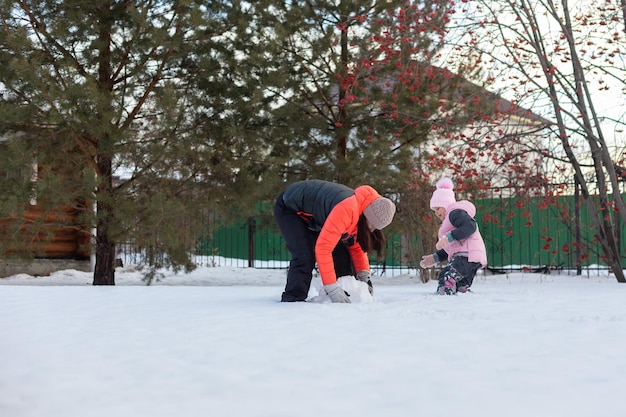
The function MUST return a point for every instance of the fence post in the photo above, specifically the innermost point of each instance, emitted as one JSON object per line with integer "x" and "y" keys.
{"x": 251, "y": 233}
{"x": 579, "y": 269}
{"x": 618, "y": 228}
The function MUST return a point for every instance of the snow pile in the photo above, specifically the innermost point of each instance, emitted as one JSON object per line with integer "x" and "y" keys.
{"x": 358, "y": 291}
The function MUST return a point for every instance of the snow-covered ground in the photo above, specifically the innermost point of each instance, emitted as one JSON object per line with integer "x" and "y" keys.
{"x": 217, "y": 342}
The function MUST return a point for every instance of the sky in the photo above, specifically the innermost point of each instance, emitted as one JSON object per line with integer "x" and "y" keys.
{"x": 217, "y": 342}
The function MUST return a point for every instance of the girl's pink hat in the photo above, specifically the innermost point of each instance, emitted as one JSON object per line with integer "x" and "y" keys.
{"x": 443, "y": 196}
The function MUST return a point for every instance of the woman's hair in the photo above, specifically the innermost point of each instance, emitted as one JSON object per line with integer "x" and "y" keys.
{"x": 370, "y": 240}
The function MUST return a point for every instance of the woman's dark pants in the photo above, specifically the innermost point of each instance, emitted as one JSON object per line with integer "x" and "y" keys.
{"x": 300, "y": 242}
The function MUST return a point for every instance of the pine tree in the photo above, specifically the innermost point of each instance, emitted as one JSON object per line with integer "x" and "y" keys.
{"x": 137, "y": 88}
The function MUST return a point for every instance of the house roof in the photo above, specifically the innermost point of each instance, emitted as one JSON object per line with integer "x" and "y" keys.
{"x": 503, "y": 106}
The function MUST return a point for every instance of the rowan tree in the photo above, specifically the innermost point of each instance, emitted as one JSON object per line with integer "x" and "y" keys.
{"x": 563, "y": 61}
{"x": 355, "y": 86}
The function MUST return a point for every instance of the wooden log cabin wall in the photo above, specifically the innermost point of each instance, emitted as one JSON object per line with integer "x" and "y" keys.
{"x": 49, "y": 234}
{"x": 47, "y": 227}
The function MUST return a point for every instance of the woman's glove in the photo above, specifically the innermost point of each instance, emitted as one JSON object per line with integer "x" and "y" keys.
{"x": 336, "y": 293}
{"x": 366, "y": 278}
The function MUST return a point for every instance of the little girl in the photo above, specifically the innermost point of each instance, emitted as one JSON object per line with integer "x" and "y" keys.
{"x": 459, "y": 241}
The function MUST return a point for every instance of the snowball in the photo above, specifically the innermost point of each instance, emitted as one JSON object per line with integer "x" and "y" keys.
{"x": 358, "y": 290}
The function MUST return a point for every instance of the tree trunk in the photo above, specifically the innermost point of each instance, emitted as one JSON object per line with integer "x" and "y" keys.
{"x": 616, "y": 267}
{"x": 104, "y": 271}
{"x": 342, "y": 133}
{"x": 606, "y": 229}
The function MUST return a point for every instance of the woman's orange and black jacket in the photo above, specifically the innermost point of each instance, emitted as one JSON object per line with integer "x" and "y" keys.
{"x": 333, "y": 210}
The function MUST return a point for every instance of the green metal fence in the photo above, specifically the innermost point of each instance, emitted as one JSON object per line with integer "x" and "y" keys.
{"x": 522, "y": 233}
{"x": 519, "y": 234}
{"x": 536, "y": 233}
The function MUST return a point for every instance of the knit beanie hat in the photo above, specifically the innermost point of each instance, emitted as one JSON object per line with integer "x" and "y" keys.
{"x": 443, "y": 196}
{"x": 379, "y": 213}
